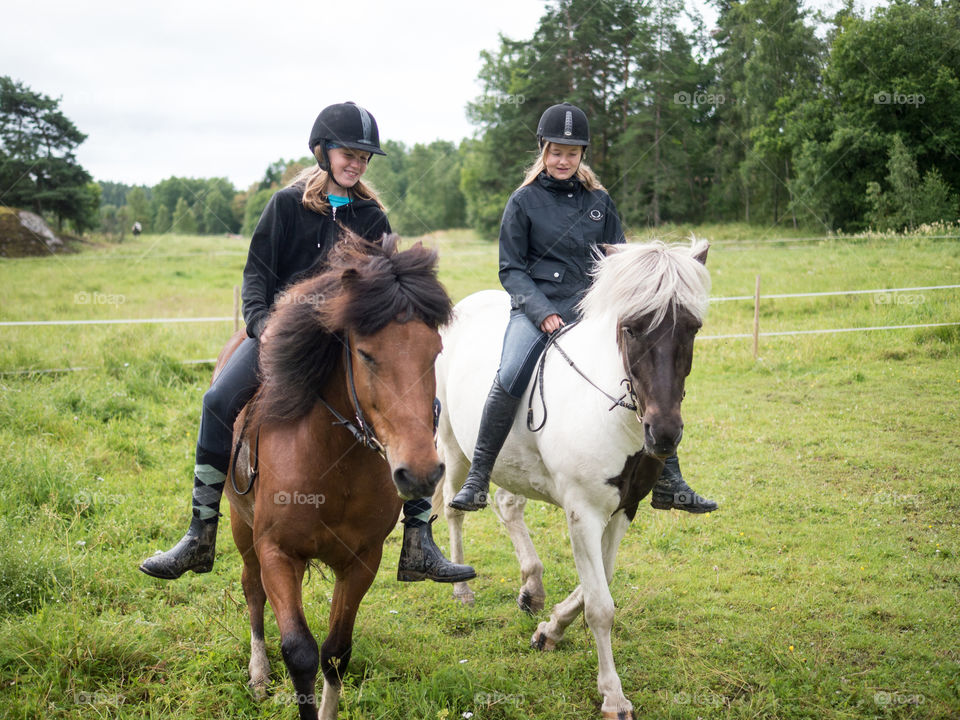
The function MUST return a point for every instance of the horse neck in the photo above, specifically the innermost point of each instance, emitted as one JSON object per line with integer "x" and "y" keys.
{"x": 592, "y": 345}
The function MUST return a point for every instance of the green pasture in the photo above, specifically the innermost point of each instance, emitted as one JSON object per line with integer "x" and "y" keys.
{"x": 826, "y": 586}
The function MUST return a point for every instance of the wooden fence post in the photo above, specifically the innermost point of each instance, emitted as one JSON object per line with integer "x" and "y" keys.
{"x": 756, "y": 320}
{"x": 236, "y": 308}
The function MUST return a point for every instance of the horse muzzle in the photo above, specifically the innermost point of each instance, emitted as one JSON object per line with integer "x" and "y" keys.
{"x": 661, "y": 439}
{"x": 416, "y": 485}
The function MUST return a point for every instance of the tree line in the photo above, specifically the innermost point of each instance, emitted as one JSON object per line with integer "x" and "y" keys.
{"x": 774, "y": 116}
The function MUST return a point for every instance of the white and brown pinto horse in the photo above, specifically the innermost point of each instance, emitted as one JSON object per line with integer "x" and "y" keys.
{"x": 640, "y": 315}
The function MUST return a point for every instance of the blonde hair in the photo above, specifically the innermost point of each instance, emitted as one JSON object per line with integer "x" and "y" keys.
{"x": 587, "y": 177}
{"x": 314, "y": 181}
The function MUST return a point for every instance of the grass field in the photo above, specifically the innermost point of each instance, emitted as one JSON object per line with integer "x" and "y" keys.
{"x": 826, "y": 586}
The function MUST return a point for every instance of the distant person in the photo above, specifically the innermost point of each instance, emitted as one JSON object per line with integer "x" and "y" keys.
{"x": 552, "y": 225}
{"x": 299, "y": 226}
{"x": 137, "y": 228}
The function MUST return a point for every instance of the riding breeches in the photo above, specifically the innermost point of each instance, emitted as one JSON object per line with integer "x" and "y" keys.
{"x": 523, "y": 342}
{"x": 222, "y": 402}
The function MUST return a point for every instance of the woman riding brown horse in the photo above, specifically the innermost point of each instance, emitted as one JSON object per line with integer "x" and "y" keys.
{"x": 358, "y": 341}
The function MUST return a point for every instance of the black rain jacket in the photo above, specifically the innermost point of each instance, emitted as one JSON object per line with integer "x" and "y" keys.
{"x": 548, "y": 236}
{"x": 292, "y": 242}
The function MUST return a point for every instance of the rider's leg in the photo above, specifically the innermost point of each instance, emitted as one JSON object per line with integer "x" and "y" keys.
{"x": 671, "y": 491}
{"x": 522, "y": 344}
{"x": 222, "y": 402}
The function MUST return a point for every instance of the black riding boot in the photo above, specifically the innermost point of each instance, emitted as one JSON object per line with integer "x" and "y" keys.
{"x": 421, "y": 559}
{"x": 670, "y": 491}
{"x": 195, "y": 552}
{"x": 495, "y": 423}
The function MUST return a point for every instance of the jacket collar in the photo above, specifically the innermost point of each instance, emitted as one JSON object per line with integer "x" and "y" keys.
{"x": 555, "y": 185}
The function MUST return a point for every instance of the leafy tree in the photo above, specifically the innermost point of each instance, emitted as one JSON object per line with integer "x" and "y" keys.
{"x": 38, "y": 169}
{"x": 909, "y": 202}
{"x": 254, "y": 209}
{"x": 139, "y": 207}
{"x": 162, "y": 220}
{"x": 184, "y": 220}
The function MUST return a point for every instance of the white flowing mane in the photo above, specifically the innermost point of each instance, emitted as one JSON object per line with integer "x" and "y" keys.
{"x": 649, "y": 279}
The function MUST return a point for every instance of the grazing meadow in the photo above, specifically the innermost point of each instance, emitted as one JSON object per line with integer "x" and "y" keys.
{"x": 826, "y": 586}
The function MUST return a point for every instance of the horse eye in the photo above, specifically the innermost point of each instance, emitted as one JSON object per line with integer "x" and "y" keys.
{"x": 366, "y": 357}
{"x": 629, "y": 331}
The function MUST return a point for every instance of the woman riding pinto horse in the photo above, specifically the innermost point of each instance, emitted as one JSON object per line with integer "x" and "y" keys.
{"x": 551, "y": 227}
{"x": 297, "y": 230}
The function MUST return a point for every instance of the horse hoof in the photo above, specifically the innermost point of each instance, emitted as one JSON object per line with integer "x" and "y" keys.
{"x": 464, "y": 597}
{"x": 258, "y": 689}
{"x": 540, "y": 641}
{"x": 529, "y": 604}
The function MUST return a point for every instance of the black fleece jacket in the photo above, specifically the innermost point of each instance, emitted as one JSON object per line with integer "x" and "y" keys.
{"x": 292, "y": 243}
{"x": 548, "y": 235}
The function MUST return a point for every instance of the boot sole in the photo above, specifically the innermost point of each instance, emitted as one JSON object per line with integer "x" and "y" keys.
{"x": 414, "y": 576}
{"x": 198, "y": 570}
{"x": 465, "y": 507}
{"x": 684, "y": 508}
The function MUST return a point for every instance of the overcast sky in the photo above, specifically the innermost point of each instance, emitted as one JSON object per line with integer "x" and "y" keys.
{"x": 206, "y": 88}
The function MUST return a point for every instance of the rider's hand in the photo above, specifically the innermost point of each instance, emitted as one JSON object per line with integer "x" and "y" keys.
{"x": 551, "y": 324}
{"x": 264, "y": 335}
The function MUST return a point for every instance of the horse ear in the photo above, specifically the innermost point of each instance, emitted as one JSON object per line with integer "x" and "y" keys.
{"x": 701, "y": 256}
{"x": 608, "y": 249}
{"x": 349, "y": 276}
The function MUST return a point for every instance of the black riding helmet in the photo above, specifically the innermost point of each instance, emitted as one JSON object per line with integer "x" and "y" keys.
{"x": 565, "y": 124}
{"x": 348, "y": 125}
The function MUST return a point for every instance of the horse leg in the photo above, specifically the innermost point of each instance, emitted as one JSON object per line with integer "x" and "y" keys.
{"x": 586, "y": 536}
{"x": 509, "y": 509}
{"x": 612, "y": 536}
{"x": 457, "y": 467}
{"x": 256, "y": 597}
{"x": 282, "y": 579}
{"x": 348, "y": 591}
{"x": 549, "y": 633}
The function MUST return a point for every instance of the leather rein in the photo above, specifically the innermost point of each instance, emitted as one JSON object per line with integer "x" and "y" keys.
{"x": 361, "y": 430}
{"x": 631, "y": 404}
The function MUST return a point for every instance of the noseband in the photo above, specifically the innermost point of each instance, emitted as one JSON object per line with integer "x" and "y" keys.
{"x": 361, "y": 430}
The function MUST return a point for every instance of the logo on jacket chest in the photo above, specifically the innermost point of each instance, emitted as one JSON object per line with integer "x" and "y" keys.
{"x": 596, "y": 215}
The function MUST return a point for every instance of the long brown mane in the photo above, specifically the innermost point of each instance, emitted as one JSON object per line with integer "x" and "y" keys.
{"x": 366, "y": 286}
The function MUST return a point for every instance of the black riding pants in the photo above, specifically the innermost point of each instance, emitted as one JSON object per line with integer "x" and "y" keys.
{"x": 234, "y": 386}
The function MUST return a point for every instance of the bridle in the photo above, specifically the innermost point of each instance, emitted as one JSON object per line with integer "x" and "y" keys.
{"x": 362, "y": 431}
{"x": 633, "y": 403}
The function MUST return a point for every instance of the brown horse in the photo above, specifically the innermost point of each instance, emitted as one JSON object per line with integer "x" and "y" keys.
{"x": 358, "y": 341}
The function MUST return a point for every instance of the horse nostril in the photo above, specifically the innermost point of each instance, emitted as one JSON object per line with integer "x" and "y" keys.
{"x": 679, "y": 436}
{"x": 437, "y": 473}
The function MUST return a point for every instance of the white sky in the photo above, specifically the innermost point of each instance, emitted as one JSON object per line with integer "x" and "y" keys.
{"x": 208, "y": 88}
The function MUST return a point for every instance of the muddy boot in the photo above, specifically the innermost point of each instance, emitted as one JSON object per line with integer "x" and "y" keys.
{"x": 670, "y": 491}
{"x": 495, "y": 423}
{"x": 196, "y": 549}
{"x": 421, "y": 559}
{"x": 195, "y": 552}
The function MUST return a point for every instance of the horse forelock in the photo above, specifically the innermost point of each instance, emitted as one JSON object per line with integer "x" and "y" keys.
{"x": 651, "y": 280}
{"x": 366, "y": 287}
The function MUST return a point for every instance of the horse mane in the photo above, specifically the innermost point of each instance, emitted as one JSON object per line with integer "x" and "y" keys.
{"x": 365, "y": 287}
{"x": 651, "y": 279}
